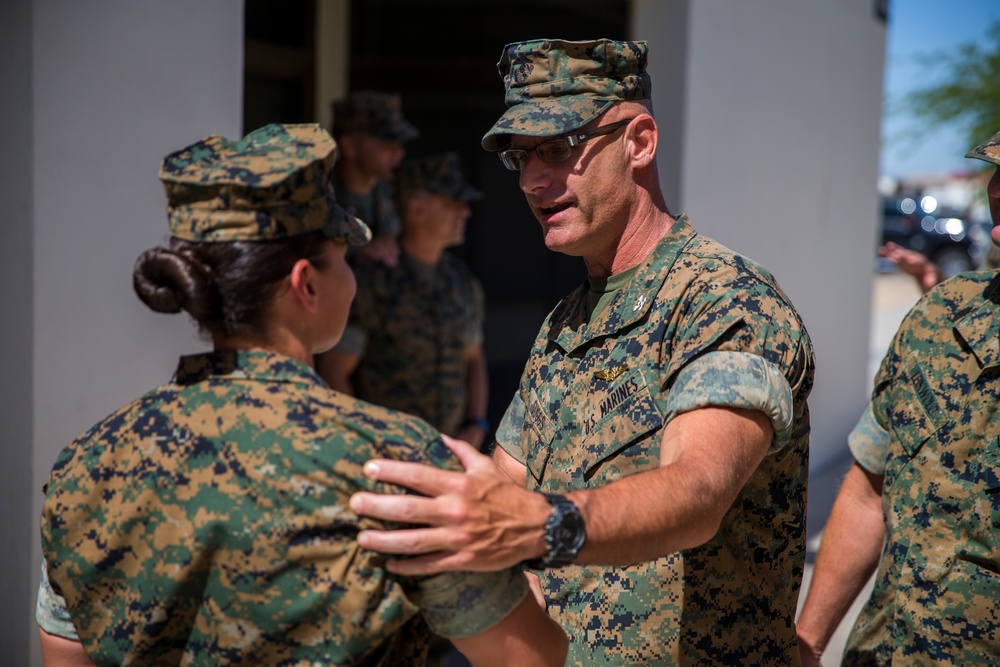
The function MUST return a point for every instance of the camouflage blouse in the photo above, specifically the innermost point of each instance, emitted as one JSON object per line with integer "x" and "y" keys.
{"x": 697, "y": 326}
{"x": 411, "y": 325}
{"x": 377, "y": 209}
{"x": 207, "y": 523}
{"x": 933, "y": 431}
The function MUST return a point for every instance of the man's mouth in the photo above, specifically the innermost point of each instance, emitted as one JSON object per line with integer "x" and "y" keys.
{"x": 552, "y": 210}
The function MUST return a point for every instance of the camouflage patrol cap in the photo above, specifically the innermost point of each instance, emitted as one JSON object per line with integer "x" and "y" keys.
{"x": 989, "y": 151}
{"x": 437, "y": 174}
{"x": 377, "y": 114}
{"x": 554, "y": 86}
{"x": 271, "y": 184}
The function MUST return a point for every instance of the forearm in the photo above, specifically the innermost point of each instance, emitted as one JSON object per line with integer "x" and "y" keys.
{"x": 60, "y": 652}
{"x": 526, "y": 637}
{"x": 480, "y": 520}
{"x": 848, "y": 554}
{"x": 643, "y": 517}
{"x": 476, "y": 384}
{"x": 681, "y": 504}
{"x": 476, "y": 394}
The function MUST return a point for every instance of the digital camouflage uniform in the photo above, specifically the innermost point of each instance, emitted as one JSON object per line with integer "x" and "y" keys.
{"x": 696, "y": 326}
{"x": 207, "y": 522}
{"x": 933, "y": 431}
{"x": 377, "y": 209}
{"x": 379, "y": 115}
{"x": 411, "y": 324}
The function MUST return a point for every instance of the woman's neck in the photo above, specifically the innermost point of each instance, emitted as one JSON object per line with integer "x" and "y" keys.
{"x": 280, "y": 342}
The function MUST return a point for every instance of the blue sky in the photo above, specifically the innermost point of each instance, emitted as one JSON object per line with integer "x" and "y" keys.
{"x": 925, "y": 27}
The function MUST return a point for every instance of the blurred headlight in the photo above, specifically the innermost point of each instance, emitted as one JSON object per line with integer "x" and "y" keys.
{"x": 954, "y": 226}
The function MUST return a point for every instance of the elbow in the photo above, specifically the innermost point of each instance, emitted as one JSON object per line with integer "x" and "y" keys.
{"x": 704, "y": 525}
{"x": 703, "y": 531}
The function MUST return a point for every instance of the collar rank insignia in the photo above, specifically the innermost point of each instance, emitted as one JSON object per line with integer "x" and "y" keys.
{"x": 609, "y": 374}
{"x": 639, "y": 303}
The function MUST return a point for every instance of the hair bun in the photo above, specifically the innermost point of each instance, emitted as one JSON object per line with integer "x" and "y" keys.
{"x": 168, "y": 282}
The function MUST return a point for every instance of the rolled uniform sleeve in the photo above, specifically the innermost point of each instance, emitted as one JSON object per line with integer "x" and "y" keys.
{"x": 735, "y": 380}
{"x": 869, "y": 443}
{"x": 463, "y": 604}
{"x": 508, "y": 433}
{"x": 50, "y": 611}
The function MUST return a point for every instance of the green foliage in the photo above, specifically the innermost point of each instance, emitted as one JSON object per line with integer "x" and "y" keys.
{"x": 968, "y": 94}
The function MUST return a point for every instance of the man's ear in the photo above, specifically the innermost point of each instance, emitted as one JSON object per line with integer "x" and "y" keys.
{"x": 644, "y": 137}
{"x": 415, "y": 206}
{"x": 302, "y": 283}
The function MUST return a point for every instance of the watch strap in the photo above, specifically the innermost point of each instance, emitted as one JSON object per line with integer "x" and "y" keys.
{"x": 565, "y": 534}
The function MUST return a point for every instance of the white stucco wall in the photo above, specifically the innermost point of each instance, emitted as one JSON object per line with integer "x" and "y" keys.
{"x": 779, "y": 104}
{"x": 116, "y": 86}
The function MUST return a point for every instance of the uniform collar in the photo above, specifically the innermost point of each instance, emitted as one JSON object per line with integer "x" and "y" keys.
{"x": 980, "y": 326}
{"x": 569, "y": 327}
{"x": 244, "y": 364}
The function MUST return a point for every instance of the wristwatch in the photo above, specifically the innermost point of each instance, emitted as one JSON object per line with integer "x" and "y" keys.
{"x": 565, "y": 534}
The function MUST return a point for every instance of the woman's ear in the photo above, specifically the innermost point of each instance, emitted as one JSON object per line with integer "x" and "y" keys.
{"x": 643, "y": 139}
{"x": 302, "y": 284}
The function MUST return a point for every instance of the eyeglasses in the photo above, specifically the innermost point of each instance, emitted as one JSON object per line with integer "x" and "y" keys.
{"x": 556, "y": 150}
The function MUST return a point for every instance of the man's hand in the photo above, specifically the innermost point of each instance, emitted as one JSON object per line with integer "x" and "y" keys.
{"x": 536, "y": 589}
{"x": 913, "y": 263}
{"x": 476, "y": 521}
{"x": 473, "y": 435}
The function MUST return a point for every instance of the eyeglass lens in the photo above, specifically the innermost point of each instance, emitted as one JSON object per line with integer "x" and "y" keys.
{"x": 555, "y": 150}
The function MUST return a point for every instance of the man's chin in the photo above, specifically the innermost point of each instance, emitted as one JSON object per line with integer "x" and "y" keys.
{"x": 556, "y": 244}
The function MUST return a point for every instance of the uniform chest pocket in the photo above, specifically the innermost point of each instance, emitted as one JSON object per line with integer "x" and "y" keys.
{"x": 989, "y": 467}
{"x": 916, "y": 415}
{"x": 624, "y": 438}
{"x": 536, "y": 440}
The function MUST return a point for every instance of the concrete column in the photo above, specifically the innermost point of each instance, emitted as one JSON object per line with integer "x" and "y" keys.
{"x": 108, "y": 89}
{"x": 333, "y": 43}
{"x": 772, "y": 113}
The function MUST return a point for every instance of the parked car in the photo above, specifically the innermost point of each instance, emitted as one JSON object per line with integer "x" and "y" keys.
{"x": 921, "y": 224}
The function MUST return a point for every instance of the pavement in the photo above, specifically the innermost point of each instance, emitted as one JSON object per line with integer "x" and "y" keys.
{"x": 893, "y": 294}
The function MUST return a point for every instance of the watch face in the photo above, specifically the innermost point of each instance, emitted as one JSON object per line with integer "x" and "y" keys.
{"x": 566, "y": 532}
{"x": 570, "y": 532}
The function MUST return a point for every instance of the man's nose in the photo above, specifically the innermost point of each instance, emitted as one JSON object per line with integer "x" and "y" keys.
{"x": 535, "y": 175}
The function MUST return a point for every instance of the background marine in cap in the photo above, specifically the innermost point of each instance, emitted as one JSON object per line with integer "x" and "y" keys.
{"x": 921, "y": 503}
{"x": 370, "y": 130}
{"x": 206, "y": 523}
{"x": 658, "y": 441}
{"x": 414, "y": 341}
